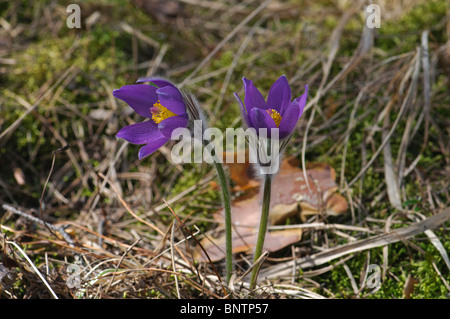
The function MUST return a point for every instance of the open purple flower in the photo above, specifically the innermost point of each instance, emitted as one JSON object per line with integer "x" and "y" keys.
{"x": 162, "y": 104}
{"x": 278, "y": 112}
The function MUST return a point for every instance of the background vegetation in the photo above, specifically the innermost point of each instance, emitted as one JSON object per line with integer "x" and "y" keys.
{"x": 56, "y": 89}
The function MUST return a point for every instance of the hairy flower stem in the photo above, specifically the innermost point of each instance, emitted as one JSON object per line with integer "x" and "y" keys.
{"x": 227, "y": 208}
{"x": 223, "y": 182}
{"x": 262, "y": 227}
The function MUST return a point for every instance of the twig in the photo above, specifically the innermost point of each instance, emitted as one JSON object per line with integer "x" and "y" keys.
{"x": 36, "y": 220}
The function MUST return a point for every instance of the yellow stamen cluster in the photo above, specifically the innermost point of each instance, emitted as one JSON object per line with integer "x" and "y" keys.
{"x": 275, "y": 116}
{"x": 160, "y": 113}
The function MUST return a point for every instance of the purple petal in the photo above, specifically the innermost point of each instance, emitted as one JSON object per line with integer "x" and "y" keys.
{"x": 279, "y": 95}
{"x": 289, "y": 120}
{"x": 167, "y": 126}
{"x": 261, "y": 119}
{"x": 253, "y": 98}
{"x": 139, "y": 133}
{"x": 152, "y": 146}
{"x": 301, "y": 101}
{"x": 159, "y": 82}
{"x": 140, "y": 97}
{"x": 171, "y": 98}
{"x": 243, "y": 111}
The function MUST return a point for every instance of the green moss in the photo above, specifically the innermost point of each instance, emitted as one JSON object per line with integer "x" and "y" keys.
{"x": 402, "y": 262}
{"x": 402, "y": 35}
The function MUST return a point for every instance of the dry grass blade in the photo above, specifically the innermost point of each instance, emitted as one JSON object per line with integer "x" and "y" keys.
{"x": 34, "y": 268}
{"x": 233, "y": 66}
{"x": 193, "y": 236}
{"x": 372, "y": 242}
{"x": 129, "y": 29}
{"x": 16, "y": 123}
{"x": 128, "y": 207}
{"x": 51, "y": 227}
{"x": 433, "y": 238}
{"x": 296, "y": 291}
{"x": 333, "y": 49}
{"x": 405, "y": 104}
{"x": 364, "y": 47}
{"x": 120, "y": 263}
{"x": 224, "y": 41}
{"x": 172, "y": 255}
{"x": 352, "y": 279}
{"x": 323, "y": 226}
{"x": 392, "y": 185}
{"x": 438, "y": 244}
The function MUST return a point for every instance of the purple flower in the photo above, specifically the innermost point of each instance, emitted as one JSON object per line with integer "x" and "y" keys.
{"x": 162, "y": 104}
{"x": 278, "y": 112}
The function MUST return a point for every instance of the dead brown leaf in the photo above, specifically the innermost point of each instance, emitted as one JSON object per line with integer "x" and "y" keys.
{"x": 240, "y": 173}
{"x": 245, "y": 243}
{"x": 289, "y": 188}
{"x": 290, "y": 197}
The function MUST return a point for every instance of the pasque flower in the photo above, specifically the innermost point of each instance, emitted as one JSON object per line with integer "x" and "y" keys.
{"x": 165, "y": 107}
{"x": 278, "y": 112}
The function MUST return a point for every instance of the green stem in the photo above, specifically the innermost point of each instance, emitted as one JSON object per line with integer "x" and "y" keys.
{"x": 262, "y": 227}
{"x": 227, "y": 208}
{"x": 223, "y": 182}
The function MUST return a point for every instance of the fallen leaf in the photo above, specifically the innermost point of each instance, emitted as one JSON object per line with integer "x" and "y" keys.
{"x": 274, "y": 241}
{"x": 240, "y": 173}
{"x": 245, "y": 215}
{"x": 290, "y": 192}
{"x": 290, "y": 197}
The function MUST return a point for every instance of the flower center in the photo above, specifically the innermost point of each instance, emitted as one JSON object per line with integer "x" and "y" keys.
{"x": 275, "y": 116}
{"x": 160, "y": 113}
